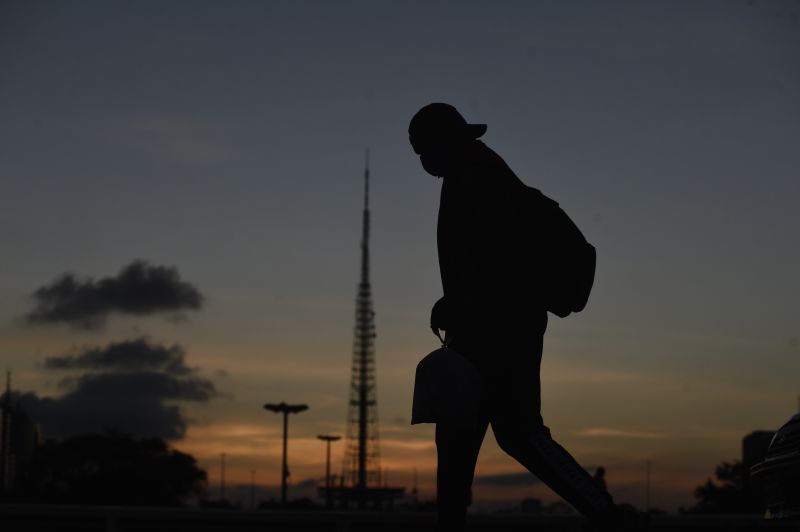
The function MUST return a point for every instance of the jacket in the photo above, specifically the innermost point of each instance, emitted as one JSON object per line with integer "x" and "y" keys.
{"x": 479, "y": 243}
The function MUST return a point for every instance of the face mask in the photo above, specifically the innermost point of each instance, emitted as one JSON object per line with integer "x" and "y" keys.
{"x": 435, "y": 163}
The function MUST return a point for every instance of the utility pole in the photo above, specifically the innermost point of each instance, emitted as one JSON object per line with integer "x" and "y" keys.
{"x": 222, "y": 477}
{"x": 415, "y": 489}
{"x": 253, "y": 489}
{"x": 285, "y": 410}
{"x": 647, "y": 488}
{"x": 327, "y": 438}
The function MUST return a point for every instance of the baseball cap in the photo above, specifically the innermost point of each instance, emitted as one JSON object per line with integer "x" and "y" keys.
{"x": 437, "y": 122}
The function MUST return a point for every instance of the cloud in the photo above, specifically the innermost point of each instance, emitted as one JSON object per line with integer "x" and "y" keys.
{"x": 604, "y": 432}
{"x": 508, "y": 479}
{"x": 136, "y": 354}
{"x": 120, "y": 393}
{"x": 138, "y": 289}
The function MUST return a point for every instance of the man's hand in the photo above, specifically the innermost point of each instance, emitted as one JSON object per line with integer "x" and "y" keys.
{"x": 443, "y": 316}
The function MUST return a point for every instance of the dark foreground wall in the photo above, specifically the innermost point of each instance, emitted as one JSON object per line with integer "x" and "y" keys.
{"x": 28, "y": 518}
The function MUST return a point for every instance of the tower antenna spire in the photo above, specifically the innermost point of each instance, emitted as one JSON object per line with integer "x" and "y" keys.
{"x": 366, "y": 180}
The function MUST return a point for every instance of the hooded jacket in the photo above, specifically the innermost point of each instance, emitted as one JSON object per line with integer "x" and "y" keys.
{"x": 480, "y": 244}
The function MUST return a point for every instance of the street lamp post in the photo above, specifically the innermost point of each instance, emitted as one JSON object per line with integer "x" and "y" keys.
{"x": 328, "y": 439}
{"x": 285, "y": 410}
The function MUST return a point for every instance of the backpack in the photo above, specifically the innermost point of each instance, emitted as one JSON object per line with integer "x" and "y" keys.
{"x": 556, "y": 258}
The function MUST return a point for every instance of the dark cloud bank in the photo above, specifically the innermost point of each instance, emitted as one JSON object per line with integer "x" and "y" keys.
{"x": 508, "y": 479}
{"x": 138, "y": 354}
{"x": 138, "y": 289}
{"x": 130, "y": 386}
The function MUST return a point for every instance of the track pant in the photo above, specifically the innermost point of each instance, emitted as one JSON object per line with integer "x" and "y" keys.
{"x": 511, "y": 402}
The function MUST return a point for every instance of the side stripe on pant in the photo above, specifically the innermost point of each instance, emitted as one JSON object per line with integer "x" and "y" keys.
{"x": 572, "y": 472}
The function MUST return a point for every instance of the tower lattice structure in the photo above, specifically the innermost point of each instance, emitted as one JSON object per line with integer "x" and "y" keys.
{"x": 362, "y": 454}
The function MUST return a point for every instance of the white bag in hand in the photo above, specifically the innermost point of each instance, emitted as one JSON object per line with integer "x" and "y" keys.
{"x": 446, "y": 390}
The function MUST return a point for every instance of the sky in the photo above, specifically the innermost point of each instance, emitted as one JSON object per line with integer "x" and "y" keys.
{"x": 216, "y": 150}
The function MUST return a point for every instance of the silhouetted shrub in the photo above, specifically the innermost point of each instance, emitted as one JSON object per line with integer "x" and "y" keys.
{"x": 727, "y": 495}
{"x": 110, "y": 469}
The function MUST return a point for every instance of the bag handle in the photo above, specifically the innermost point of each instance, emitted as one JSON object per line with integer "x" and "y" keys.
{"x": 446, "y": 341}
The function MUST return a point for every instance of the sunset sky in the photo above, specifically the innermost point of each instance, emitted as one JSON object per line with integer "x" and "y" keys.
{"x": 221, "y": 144}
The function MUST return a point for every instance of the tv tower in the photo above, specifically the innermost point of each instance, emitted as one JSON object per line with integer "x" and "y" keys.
{"x": 361, "y": 472}
{"x": 362, "y": 455}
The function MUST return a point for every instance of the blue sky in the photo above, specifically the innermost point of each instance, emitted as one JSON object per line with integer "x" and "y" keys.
{"x": 227, "y": 141}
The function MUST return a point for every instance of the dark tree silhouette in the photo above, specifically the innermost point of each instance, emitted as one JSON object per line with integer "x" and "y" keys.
{"x": 727, "y": 495}
{"x": 111, "y": 469}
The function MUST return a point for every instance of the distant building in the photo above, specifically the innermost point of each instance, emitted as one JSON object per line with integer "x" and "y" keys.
{"x": 19, "y": 438}
{"x": 754, "y": 449}
{"x": 755, "y": 445}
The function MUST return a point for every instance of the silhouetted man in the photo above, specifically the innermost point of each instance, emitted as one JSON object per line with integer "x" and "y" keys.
{"x": 492, "y": 318}
{"x": 600, "y": 477}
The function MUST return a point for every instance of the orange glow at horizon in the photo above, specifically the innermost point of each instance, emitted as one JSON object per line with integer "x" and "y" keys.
{"x": 252, "y": 447}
